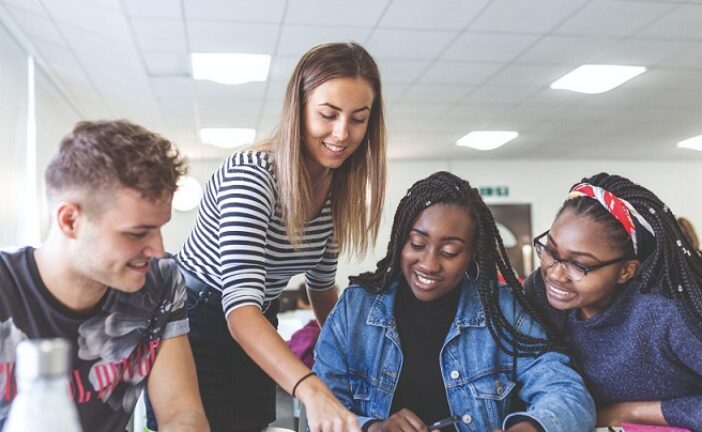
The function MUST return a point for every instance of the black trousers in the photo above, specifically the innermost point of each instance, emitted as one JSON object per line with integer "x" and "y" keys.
{"x": 236, "y": 393}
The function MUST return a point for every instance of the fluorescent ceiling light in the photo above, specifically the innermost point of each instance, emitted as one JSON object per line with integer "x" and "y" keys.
{"x": 694, "y": 143}
{"x": 188, "y": 194}
{"x": 593, "y": 79}
{"x": 487, "y": 140}
{"x": 230, "y": 68}
{"x": 227, "y": 137}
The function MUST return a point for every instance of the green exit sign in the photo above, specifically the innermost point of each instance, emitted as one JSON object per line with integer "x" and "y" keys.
{"x": 494, "y": 191}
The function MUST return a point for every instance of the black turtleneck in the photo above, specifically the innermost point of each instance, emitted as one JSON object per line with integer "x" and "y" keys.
{"x": 422, "y": 327}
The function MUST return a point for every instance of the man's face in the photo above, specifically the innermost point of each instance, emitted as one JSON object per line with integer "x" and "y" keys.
{"x": 113, "y": 247}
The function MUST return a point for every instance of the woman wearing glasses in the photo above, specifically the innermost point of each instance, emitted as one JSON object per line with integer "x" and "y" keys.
{"x": 621, "y": 286}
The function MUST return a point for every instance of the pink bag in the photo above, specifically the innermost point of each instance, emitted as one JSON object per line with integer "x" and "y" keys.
{"x": 633, "y": 427}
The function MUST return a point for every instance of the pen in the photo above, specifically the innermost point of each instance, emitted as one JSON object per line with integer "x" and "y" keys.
{"x": 444, "y": 422}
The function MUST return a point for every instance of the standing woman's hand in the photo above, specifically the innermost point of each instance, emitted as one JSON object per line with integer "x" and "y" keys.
{"x": 401, "y": 421}
{"x": 324, "y": 412}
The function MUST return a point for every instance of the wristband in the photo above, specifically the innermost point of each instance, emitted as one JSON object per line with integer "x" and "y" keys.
{"x": 300, "y": 381}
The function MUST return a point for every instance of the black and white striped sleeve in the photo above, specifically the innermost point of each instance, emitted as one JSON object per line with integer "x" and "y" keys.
{"x": 246, "y": 204}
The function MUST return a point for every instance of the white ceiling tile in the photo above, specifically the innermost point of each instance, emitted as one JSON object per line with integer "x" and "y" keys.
{"x": 434, "y": 94}
{"x": 166, "y": 88}
{"x": 536, "y": 115}
{"x": 401, "y": 71}
{"x": 106, "y": 75}
{"x": 421, "y": 14}
{"x": 276, "y": 89}
{"x": 566, "y": 49}
{"x": 95, "y": 18}
{"x": 407, "y": 44}
{"x": 612, "y": 18}
{"x": 224, "y": 112}
{"x": 392, "y": 91}
{"x": 166, "y": 62}
{"x": 688, "y": 57}
{"x": 60, "y": 60}
{"x": 159, "y": 34}
{"x": 35, "y": 26}
{"x": 484, "y": 47}
{"x": 364, "y": 13}
{"x": 683, "y": 22}
{"x": 86, "y": 44}
{"x": 525, "y": 16}
{"x": 474, "y": 113}
{"x": 499, "y": 95}
{"x": 153, "y": 8}
{"x": 261, "y": 11}
{"x": 178, "y": 107}
{"x": 209, "y": 36}
{"x": 296, "y": 39}
{"x": 33, "y": 6}
{"x": 271, "y": 108}
{"x": 282, "y": 67}
{"x": 453, "y": 72}
{"x": 528, "y": 76}
{"x": 685, "y": 100}
{"x": 416, "y": 111}
{"x": 89, "y": 101}
{"x": 641, "y": 52}
{"x": 109, "y": 4}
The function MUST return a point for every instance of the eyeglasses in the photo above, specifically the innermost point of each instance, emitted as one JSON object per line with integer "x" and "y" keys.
{"x": 573, "y": 269}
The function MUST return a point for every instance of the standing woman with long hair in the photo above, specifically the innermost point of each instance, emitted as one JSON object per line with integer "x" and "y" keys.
{"x": 285, "y": 206}
{"x": 621, "y": 285}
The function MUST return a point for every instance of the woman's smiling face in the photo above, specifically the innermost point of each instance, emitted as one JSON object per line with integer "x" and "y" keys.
{"x": 438, "y": 249}
{"x": 581, "y": 239}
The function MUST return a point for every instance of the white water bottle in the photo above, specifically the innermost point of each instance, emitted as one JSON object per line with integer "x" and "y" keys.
{"x": 43, "y": 401}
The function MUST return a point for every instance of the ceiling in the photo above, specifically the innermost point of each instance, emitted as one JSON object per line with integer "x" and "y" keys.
{"x": 448, "y": 67}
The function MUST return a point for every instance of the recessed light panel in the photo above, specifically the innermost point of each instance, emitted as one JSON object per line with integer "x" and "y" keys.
{"x": 694, "y": 143}
{"x": 230, "y": 68}
{"x": 594, "y": 79}
{"x": 487, "y": 140}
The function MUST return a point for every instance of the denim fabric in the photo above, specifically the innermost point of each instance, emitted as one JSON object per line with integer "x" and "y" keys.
{"x": 359, "y": 357}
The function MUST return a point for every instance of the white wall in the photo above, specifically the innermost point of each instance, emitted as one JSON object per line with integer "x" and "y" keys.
{"x": 13, "y": 140}
{"x": 55, "y": 119}
{"x": 543, "y": 184}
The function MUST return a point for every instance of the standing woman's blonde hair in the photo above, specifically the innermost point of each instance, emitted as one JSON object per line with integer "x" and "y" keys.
{"x": 358, "y": 185}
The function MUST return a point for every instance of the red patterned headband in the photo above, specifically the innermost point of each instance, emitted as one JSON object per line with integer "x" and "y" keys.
{"x": 617, "y": 207}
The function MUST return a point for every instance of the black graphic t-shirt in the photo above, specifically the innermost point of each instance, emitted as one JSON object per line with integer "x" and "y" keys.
{"x": 114, "y": 346}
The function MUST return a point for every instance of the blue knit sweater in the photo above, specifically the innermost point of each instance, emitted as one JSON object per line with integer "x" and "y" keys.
{"x": 638, "y": 349}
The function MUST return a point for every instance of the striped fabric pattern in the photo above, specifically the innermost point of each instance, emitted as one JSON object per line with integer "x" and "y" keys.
{"x": 239, "y": 244}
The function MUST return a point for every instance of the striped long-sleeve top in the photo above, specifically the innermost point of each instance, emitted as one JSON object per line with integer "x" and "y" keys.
{"x": 240, "y": 245}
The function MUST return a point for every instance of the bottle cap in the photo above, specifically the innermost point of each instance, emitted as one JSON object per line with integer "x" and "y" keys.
{"x": 42, "y": 358}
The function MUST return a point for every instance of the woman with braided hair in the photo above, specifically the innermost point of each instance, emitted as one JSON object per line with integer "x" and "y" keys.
{"x": 622, "y": 288}
{"x": 434, "y": 297}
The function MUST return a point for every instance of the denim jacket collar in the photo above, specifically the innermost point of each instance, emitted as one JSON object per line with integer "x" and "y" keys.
{"x": 469, "y": 313}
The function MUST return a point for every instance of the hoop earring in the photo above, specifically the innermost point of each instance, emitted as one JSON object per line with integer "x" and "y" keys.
{"x": 470, "y": 271}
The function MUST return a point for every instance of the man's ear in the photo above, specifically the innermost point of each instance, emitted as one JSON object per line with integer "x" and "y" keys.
{"x": 68, "y": 218}
{"x": 628, "y": 271}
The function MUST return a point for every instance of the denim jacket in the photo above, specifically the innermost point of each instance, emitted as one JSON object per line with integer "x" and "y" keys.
{"x": 358, "y": 355}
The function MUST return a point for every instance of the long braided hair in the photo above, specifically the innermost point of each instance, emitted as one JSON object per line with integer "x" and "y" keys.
{"x": 446, "y": 188}
{"x": 669, "y": 262}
